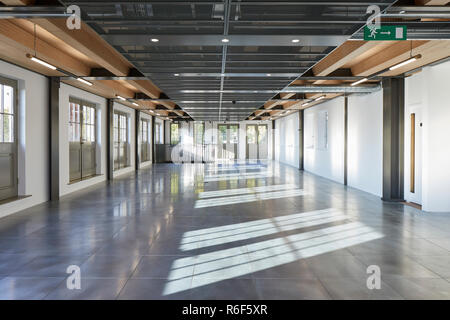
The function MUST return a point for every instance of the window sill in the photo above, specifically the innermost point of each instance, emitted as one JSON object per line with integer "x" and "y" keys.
{"x": 85, "y": 179}
{"x": 120, "y": 169}
{"x": 14, "y": 199}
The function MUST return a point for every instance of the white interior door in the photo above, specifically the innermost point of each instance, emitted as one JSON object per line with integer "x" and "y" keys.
{"x": 416, "y": 131}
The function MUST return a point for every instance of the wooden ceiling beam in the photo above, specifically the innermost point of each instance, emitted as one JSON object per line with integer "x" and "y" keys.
{"x": 394, "y": 54}
{"x": 431, "y": 2}
{"x": 23, "y": 41}
{"x": 341, "y": 56}
{"x": 89, "y": 43}
{"x": 18, "y": 2}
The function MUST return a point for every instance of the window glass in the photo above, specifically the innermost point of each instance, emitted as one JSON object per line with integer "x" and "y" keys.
{"x": 174, "y": 133}
{"x": 8, "y": 99}
{"x": 158, "y": 139}
{"x": 262, "y": 134}
{"x": 199, "y": 133}
{"x": 251, "y": 134}
{"x": 234, "y": 134}
{"x": 74, "y": 122}
{"x": 222, "y": 134}
{"x": 6, "y": 114}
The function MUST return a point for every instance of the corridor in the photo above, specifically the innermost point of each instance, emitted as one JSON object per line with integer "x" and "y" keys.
{"x": 231, "y": 230}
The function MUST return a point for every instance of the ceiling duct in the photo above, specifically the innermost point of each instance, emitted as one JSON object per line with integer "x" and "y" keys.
{"x": 333, "y": 89}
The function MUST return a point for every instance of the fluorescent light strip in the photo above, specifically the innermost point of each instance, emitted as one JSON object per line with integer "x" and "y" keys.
{"x": 84, "y": 81}
{"x": 404, "y": 63}
{"x": 359, "y": 81}
{"x": 319, "y": 98}
{"x": 135, "y": 104}
{"x": 121, "y": 98}
{"x": 41, "y": 62}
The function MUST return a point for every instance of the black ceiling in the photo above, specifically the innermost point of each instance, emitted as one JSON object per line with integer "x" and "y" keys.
{"x": 215, "y": 80}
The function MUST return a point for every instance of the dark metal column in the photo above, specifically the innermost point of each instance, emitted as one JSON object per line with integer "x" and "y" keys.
{"x": 301, "y": 139}
{"x": 137, "y": 118}
{"x": 346, "y": 140}
{"x": 153, "y": 140}
{"x": 55, "y": 84}
{"x": 110, "y": 139}
{"x": 273, "y": 140}
{"x": 164, "y": 132}
{"x": 393, "y": 138}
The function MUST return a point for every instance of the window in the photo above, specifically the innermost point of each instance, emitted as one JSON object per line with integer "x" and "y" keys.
{"x": 174, "y": 133}
{"x": 8, "y": 139}
{"x": 121, "y": 143}
{"x": 145, "y": 146}
{"x": 199, "y": 133}
{"x": 158, "y": 134}
{"x": 7, "y": 114}
{"x": 82, "y": 139}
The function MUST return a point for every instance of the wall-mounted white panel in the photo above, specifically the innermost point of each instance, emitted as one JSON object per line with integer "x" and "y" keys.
{"x": 287, "y": 140}
{"x": 326, "y": 162}
{"x": 365, "y": 142}
{"x": 430, "y": 90}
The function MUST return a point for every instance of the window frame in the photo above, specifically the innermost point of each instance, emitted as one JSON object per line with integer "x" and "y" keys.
{"x": 121, "y": 136}
{"x": 15, "y": 101}
{"x": 178, "y": 131}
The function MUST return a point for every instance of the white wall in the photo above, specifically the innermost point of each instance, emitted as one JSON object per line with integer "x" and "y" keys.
{"x": 131, "y": 138}
{"x": 365, "y": 142}
{"x": 430, "y": 90}
{"x": 326, "y": 162}
{"x": 33, "y": 138}
{"x": 287, "y": 140}
{"x": 65, "y": 93}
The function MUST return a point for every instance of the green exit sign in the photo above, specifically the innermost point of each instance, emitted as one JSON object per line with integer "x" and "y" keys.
{"x": 385, "y": 33}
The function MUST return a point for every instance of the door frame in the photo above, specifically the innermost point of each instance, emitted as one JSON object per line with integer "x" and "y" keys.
{"x": 257, "y": 140}
{"x": 228, "y": 126}
{"x": 14, "y": 190}
{"x": 415, "y": 192}
{"x": 84, "y": 103}
{"x": 127, "y": 143}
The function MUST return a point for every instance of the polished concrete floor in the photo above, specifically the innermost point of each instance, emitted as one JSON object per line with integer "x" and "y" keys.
{"x": 224, "y": 231}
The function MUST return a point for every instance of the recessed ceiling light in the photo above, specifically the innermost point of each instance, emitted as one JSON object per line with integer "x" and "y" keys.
{"x": 225, "y": 40}
{"x": 295, "y": 41}
{"x": 155, "y": 40}
{"x": 84, "y": 81}
{"x": 176, "y": 74}
{"x": 269, "y": 74}
{"x": 402, "y": 12}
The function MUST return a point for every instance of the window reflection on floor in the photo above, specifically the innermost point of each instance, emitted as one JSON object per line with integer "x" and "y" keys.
{"x": 238, "y": 261}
